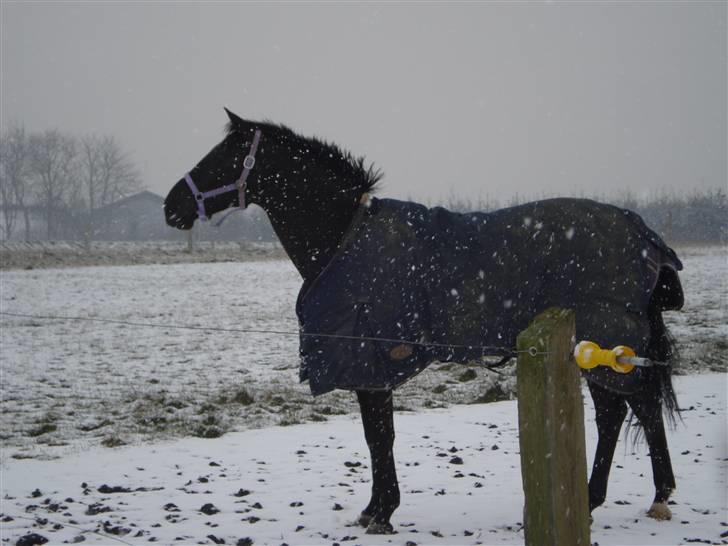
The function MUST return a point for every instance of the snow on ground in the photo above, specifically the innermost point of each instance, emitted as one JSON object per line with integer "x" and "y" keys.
{"x": 70, "y": 387}
{"x": 305, "y": 484}
{"x": 70, "y": 384}
{"x": 45, "y": 254}
{"x": 702, "y": 326}
{"x": 66, "y": 382}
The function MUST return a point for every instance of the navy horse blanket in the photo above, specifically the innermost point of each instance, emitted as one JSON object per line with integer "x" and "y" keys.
{"x": 438, "y": 285}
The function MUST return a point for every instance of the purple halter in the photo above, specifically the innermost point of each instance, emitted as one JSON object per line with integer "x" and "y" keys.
{"x": 239, "y": 185}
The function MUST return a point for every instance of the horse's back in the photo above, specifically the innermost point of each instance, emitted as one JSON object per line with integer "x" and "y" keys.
{"x": 408, "y": 272}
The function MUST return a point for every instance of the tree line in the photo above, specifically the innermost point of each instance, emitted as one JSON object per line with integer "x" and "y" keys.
{"x": 693, "y": 217}
{"x": 60, "y": 178}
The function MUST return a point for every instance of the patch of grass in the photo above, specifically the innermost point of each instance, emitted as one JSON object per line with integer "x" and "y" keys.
{"x": 328, "y": 410}
{"x": 22, "y": 456}
{"x": 45, "y": 424}
{"x": 90, "y": 427}
{"x": 243, "y": 397}
{"x": 468, "y": 375}
{"x": 112, "y": 441}
{"x": 206, "y": 408}
{"x": 209, "y": 427}
{"x": 156, "y": 422}
{"x": 494, "y": 394}
{"x": 239, "y": 396}
{"x": 44, "y": 428}
{"x": 208, "y": 431}
{"x": 289, "y": 421}
{"x": 275, "y": 400}
{"x": 159, "y": 413}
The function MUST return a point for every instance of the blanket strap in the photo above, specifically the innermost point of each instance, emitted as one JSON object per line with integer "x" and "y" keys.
{"x": 502, "y": 362}
{"x": 494, "y": 366}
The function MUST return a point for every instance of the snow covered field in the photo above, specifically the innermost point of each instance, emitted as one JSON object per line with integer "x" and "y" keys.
{"x": 70, "y": 387}
{"x": 67, "y": 384}
{"x": 305, "y": 484}
{"x": 44, "y": 254}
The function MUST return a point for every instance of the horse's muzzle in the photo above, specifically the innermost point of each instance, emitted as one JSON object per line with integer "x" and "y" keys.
{"x": 175, "y": 213}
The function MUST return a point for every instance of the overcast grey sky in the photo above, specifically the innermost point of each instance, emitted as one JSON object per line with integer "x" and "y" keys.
{"x": 477, "y": 99}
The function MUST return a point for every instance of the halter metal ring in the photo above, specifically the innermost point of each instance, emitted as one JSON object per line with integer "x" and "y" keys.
{"x": 248, "y": 162}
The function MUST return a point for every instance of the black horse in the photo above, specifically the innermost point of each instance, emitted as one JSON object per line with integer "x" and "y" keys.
{"x": 317, "y": 199}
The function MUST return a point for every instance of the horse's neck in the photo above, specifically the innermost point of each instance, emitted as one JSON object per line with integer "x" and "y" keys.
{"x": 310, "y": 237}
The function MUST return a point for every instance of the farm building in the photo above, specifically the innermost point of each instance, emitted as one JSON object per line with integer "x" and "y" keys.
{"x": 139, "y": 217}
{"x": 134, "y": 218}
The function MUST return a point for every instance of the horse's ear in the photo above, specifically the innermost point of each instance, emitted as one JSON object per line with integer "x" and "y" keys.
{"x": 234, "y": 119}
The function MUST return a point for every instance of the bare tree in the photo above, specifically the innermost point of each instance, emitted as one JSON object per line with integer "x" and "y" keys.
{"x": 90, "y": 168}
{"x": 106, "y": 173}
{"x": 53, "y": 163}
{"x": 109, "y": 173}
{"x": 14, "y": 178}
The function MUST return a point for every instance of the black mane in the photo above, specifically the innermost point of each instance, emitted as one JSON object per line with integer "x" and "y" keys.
{"x": 350, "y": 167}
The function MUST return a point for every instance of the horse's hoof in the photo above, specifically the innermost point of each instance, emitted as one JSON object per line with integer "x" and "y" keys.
{"x": 659, "y": 511}
{"x": 364, "y": 520}
{"x": 380, "y": 529}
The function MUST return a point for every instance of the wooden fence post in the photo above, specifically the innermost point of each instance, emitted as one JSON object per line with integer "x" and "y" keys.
{"x": 190, "y": 239}
{"x": 551, "y": 433}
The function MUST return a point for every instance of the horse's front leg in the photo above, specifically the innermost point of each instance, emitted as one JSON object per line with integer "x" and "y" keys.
{"x": 610, "y": 409}
{"x": 377, "y": 416}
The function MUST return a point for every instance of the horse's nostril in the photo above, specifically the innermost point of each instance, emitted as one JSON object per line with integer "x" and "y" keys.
{"x": 172, "y": 219}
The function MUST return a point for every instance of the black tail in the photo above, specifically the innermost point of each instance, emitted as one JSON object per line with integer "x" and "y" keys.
{"x": 667, "y": 296}
{"x": 663, "y": 348}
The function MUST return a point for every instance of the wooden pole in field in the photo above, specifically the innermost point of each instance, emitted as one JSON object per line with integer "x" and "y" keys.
{"x": 551, "y": 433}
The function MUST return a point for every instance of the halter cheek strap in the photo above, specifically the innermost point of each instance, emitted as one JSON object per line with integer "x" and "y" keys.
{"x": 240, "y": 184}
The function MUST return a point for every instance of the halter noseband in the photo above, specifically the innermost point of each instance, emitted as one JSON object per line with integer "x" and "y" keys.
{"x": 239, "y": 184}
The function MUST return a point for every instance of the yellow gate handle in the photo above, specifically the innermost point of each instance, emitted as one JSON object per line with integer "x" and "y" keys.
{"x": 589, "y": 355}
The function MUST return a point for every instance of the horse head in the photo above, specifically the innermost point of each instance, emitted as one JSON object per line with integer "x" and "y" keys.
{"x": 221, "y": 179}
{"x": 310, "y": 189}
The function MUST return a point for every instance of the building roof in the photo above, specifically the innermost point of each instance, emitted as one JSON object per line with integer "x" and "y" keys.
{"x": 132, "y": 199}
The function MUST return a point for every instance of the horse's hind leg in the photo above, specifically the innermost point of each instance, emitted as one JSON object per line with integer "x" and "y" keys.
{"x": 378, "y": 419}
{"x": 648, "y": 409}
{"x": 647, "y": 406}
{"x": 611, "y": 410}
